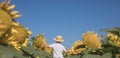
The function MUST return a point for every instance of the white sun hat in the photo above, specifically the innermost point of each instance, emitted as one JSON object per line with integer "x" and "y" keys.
{"x": 58, "y": 38}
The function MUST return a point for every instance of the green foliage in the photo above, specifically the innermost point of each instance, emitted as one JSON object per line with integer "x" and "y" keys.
{"x": 115, "y": 30}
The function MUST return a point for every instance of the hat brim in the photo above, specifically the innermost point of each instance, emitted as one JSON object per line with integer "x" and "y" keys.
{"x": 58, "y": 40}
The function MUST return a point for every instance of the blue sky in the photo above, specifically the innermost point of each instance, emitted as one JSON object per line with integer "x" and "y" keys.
{"x": 69, "y": 18}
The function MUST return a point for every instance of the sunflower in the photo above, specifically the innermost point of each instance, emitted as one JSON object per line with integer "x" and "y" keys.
{"x": 11, "y": 32}
{"x": 7, "y": 17}
{"x": 77, "y": 47}
{"x": 19, "y": 35}
{"x": 91, "y": 40}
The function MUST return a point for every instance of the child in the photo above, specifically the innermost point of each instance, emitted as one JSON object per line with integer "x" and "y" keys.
{"x": 58, "y": 48}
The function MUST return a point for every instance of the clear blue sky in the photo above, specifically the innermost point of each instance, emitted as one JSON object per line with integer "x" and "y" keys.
{"x": 69, "y": 18}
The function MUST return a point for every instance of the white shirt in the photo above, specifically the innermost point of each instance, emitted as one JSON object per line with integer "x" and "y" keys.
{"x": 58, "y": 50}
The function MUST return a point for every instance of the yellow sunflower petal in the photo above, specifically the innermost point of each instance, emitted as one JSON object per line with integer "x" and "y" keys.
{"x": 16, "y": 16}
{"x": 14, "y": 12}
{"x": 11, "y": 7}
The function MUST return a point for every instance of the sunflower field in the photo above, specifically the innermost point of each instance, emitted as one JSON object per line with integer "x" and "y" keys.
{"x": 15, "y": 38}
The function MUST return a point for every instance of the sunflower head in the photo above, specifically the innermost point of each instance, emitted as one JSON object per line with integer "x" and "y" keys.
{"x": 77, "y": 48}
{"x": 91, "y": 40}
{"x": 114, "y": 38}
{"x": 7, "y": 16}
{"x": 18, "y": 36}
{"x": 39, "y": 42}
{"x": 19, "y": 33}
